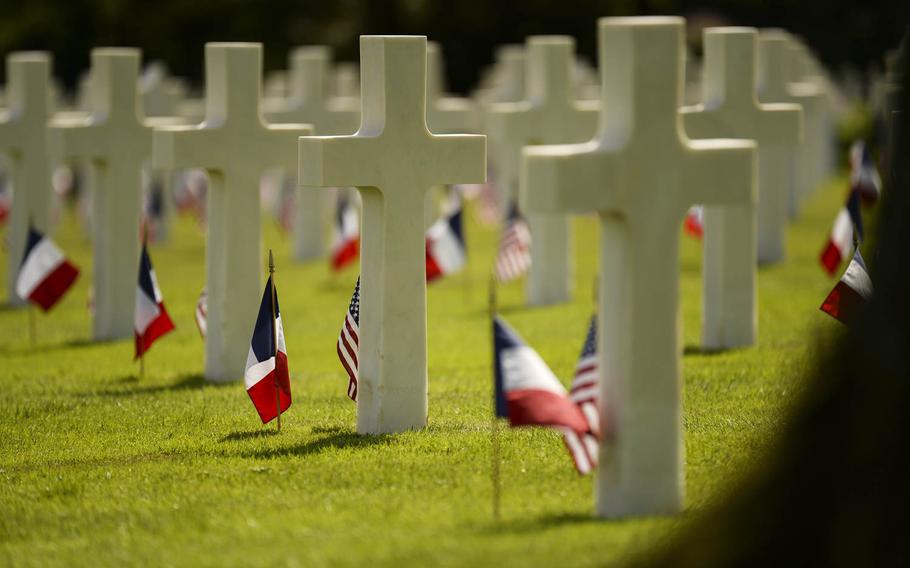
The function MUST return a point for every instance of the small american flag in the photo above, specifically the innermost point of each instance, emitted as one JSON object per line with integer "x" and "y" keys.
{"x": 514, "y": 256}
{"x": 202, "y": 306}
{"x": 349, "y": 341}
{"x": 584, "y": 394}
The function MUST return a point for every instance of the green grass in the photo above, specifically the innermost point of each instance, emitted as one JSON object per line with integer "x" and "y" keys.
{"x": 99, "y": 468}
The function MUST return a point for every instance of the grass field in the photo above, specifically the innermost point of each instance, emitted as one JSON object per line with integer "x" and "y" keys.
{"x": 99, "y": 468}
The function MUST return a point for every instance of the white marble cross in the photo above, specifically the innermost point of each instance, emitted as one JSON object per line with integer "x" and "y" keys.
{"x": 115, "y": 139}
{"x": 235, "y": 147}
{"x": 640, "y": 173}
{"x": 774, "y": 77}
{"x": 310, "y": 103}
{"x": 393, "y": 160}
{"x": 730, "y": 109}
{"x": 550, "y": 114}
{"x": 24, "y": 138}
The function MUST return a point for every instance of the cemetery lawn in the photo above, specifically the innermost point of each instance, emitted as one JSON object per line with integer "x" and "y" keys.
{"x": 98, "y": 467}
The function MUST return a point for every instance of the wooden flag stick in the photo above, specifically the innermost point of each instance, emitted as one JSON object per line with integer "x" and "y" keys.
{"x": 275, "y": 340}
{"x": 494, "y": 427}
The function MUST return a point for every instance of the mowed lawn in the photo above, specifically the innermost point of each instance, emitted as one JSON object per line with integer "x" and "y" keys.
{"x": 100, "y": 468}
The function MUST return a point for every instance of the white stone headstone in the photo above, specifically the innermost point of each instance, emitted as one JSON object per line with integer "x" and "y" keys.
{"x": 549, "y": 115}
{"x": 446, "y": 114}
{"x": 730, "y": 109}
{"x": 235, "y": 147}
{"x": 309, "y": 102}
{"x": 640, "y": 173}
{"x": 115, "y": 140}
{"x": 774, "y": 86}
{"x": 24, "y": 139}
{"x": 393, "y": 160}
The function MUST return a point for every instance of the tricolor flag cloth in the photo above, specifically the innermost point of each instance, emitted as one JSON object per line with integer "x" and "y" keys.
{"x": 840, "y": 241}
{"x": 851, "y": 293}
{"x": 267, "y": 378}
{"x": 446, "y": 251}
{"x": 45, "y": 274}
{"x": 529, "y": 394}
{"x": 514, "y": 256}
{"x": 583, "y": 391}
{"x": 348, "y": 344}
{"x": 346, "y": 243}
{"x": 694, "y": 224}
{"x": 150, "y": 319}
{"x": 6, "y": 201}
{"x": 864, "y": 177}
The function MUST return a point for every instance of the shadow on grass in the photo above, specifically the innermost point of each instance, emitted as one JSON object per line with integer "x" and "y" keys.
{"x": 193, "y": 381}
{"x": 340, "y": 440}
{"x": 248, "y": 435}
{"x": 707, "y": 351}
{"x": 44, "y": 348}
{"x": 544, "y": 522}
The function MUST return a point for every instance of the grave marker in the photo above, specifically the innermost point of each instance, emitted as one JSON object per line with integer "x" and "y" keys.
{"x": 393, "y": 160}
{"x": 234, "y": 146}
{"x": 310, "y": 103}
{"x": 640, "y": 173}
{"x": 730, "y": 109}
{"x": 549, "y": 115}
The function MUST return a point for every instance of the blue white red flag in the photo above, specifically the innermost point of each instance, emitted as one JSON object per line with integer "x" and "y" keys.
{"x": 150, "y": 318}
{"x": 840, "y": 241}
{"x": 864, "y": 177}
{"x": 267, "y": 378}
{"x": 851, "y": 293}
{"x": 694, "y": 224}
{"x": 446, "y": 252}
{"x": 529, "y": 394}
{"x": 45, "y": 274}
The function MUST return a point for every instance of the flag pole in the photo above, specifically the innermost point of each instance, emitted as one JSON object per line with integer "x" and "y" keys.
{"x": 275, "y": 340}
{"x": 494, "y": 426}
{"x": 145, "y": 236}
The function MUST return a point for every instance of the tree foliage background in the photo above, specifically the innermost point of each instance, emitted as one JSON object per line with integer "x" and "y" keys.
{"x": 857, "y": 32}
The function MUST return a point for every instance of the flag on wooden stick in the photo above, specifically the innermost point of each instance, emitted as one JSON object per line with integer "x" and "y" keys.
{"x": 150, "y": 318}
{"x": 45, "y": 274}
{"x": 851, "y": 293}
{"x": 514, "y": 256}
{"x": 267, "y": 378}
{"x": 348, "y": 343}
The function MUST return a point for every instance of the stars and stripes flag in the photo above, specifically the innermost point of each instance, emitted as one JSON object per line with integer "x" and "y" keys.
{"x": 267, "y": 379}
{"x": 583, "y": 391}
{"x": 349, "y": 342}
{"x": 864, "y": 176}
{"x": 45, "y": 274}
{"x": 529, "y": 394}
{"x": 514, "y": 256}
{"x": 346, "y": 242}
{"x": 150, "y": 318}
{"x": 851, "y": 293}
{"x": 446, "y": 252}
{"x": 201, "y": 312}
{"x": 694, "y": 224}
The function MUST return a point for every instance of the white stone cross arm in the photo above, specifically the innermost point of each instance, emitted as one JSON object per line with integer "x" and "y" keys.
{"x": 234, "y": 146}
{"x": 731, "y": 109}
{"x": 393, "y": 160}
{"x": 640, "y": 174}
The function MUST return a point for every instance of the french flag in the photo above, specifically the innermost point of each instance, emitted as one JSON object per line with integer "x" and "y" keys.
{"x": 267, "y": 378}
{"x": 346, "y": 244}
{"x": 851, "y": 293}
{"x": 45, "y": 274}
{"x": 694, "y": 223}
{"x": 150, "y": 319}
{"x": 864, "y": 177}
{"x": 529, "y": 394}
{"x": 446, "y": 251}
{"x": 848, "y": 220}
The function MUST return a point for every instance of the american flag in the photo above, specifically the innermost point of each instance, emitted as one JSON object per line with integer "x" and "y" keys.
{"x": 514, "y": 256}
{"x": 349, "y": 341}
{"x": 202, "y": 306}
{"x": 584, "y": 385}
